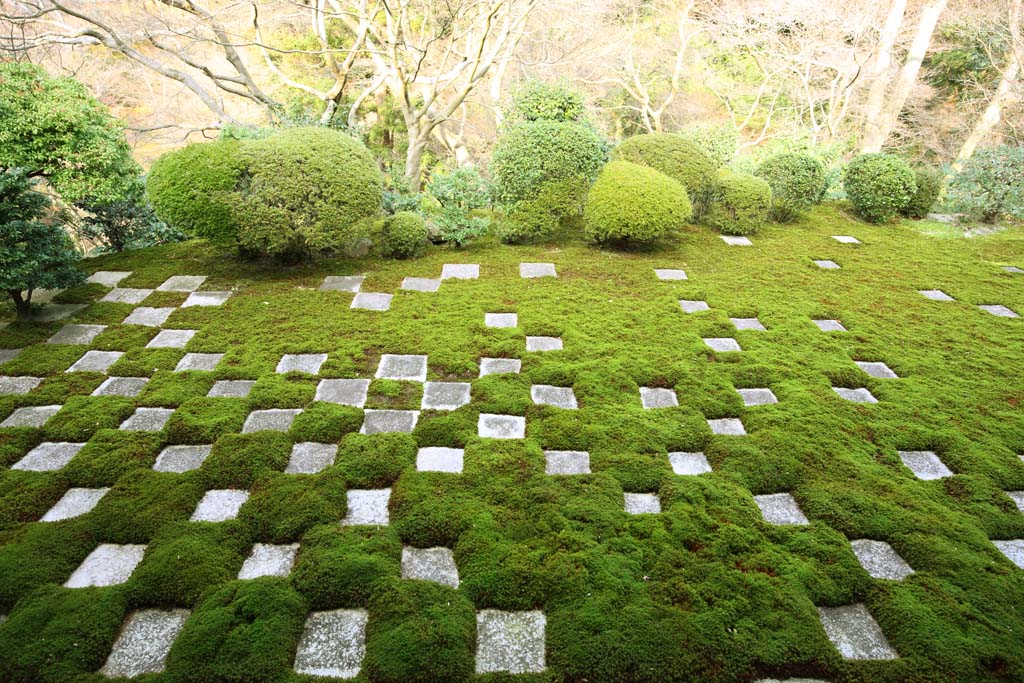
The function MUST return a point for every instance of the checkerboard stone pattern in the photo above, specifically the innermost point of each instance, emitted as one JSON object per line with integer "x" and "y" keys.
{"x": 780, "y": 509}
{"x": 219, "y": 505}
{"x": 126, "y": 296}
{"x": 367, "y": 507}
{"x": 846, "y": 239}
{"x": 121, "y": 386}
{"x": 876, "y": 369}
{"x": 999, "y": 310}
{"x": 500, "y": 366}
{"x": 566, "y": 462}
{"x": 18, "y": 386}
{"x": 7, "y": 355}
{"x": 1013, "y": 269}
{"x": 95, "y": 361}
{"x": 342, "y": 283}
{"x": 403, "y": 367}
{"x": 31, "y": 416}
{"x": 736, "y": 241}
{"x": 421, "y": 284}
{"x": 653, "y": 397}
{"x": 333, "y": 644}
{"x": 148, "y": 316}
{"x": 748, "y": 324}
{"x": 74, "y": 503}
{"x": 386, "y": 421}
{"x": 535, "y": 270}
{"x": 147, "y": 420}
{"x": 543, "y": 343}
{"x": 925, "y": 465}
{"x": 144, "y": 643}
{"x": 1018, "y": 499}
{"x": 108, "y": 278}
{"x": 231, "y": 388}
{"x": 880, "y": 560}
{"x": 501, "y": 426}
{"x": 204, "y": 362}
{"x": 430, "y": 564}
{"x": 269, "y": 560}
{"x": 559, "y": 397}
{"x": 501, "y": 320}
{"x": 460, "y": 271}
{"x": 512, "y": 642}
{"x": 727, "y": 426}
{"x": 858, "y": 395}
{"x": 935, "y": 295}
{"x": 445, "y": 395}
{"x": 642, "y": 503}
{"x": 107, "y": 565}
{"x": 757, "y": 397}
{"x": 691, "y": 306}
{"x": 206, "y": 299}
{"x": 171, "y": 339}
{"x": 372, "y": 301}
{"x": 48, "y": 456}
{"x": 669, "y": 274}
{"x": 855, "y": 633}
{"x": 829, "y": 325}
{"x": 440, "y": 459}
{"x": 689, "y": 464}
{"x": 182, "y": 283}
{"x": 825, "y": 264}
{"x": 1013, "y": 550}
{"x": 346, "y": 392}
{"x": 76, "y": 334}
{"x": 308, "y": 363}
{"x": 310, "y": 458}
{"x": 722, "y": 344}
{"x": 181, "y": 458}
{"x": 271, "y": 420}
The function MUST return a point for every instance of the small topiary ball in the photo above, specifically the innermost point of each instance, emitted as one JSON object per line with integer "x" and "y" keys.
{"x": 403, "y": 235}
{"x": 677, "y": 157}
{"x": 739, "y": 203}
{"x": 929, "y": 185}
{"x": 634, "y": 203}
{"x": 797, "y": 182}
{"x": 878, "y": 186}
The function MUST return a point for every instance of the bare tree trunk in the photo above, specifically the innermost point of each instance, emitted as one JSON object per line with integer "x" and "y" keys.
{"x": 22, "y": 303}
{"x": 879, "y": 75}
{"x": 414, "y": 161}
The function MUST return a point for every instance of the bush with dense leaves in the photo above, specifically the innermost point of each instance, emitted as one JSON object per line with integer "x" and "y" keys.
{"x": 739, "y": 203}
{"x": 797, "y": 182}
{"x": 720, "y": 143}
{"x": 127, "y": 223}
{"x": 990, "y": 185}
{"x": 531, "y": 220}
{"x": 403, "y": 235}
{"x": 677, "y": 157}
{"x": 929, "y": 186}
{"x": 540, "y": 101}
{"x": 461, "y": 188}
{"x": 634, "y": 203}
{"x": 878, "y": 186}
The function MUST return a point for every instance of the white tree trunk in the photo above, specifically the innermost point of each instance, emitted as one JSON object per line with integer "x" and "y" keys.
{"x": 879, "y": 75}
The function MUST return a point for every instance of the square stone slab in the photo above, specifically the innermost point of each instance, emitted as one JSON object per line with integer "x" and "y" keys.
{"x": 1018, "y": 499}
{"x": 147, "y": 420}
{"x": 438, "y": 459}
{"x": 367, "y": 507}
{"x": 999, "y": 310}
{"x": 728, "y": 426}
{"x": 342, "y": 283}
{"x": 658, "y": 398}
{"x": 144, "y": 643}
{"x": 48, "y": 456}
{"x": 748, "y": 324}
{"x": 855, "y": 633}
{"x": 269, "y": 560}
{"x": 1012, "y": 269}
{"x": 346, "y": 392}
{"x": 171, "y": 339}
{"x": 532, "y": 270}
{"x": 199, "y": 361}
{"x": 757, "y": 397}
{"x": 500, "y": 366}
{"x": 430, "y": 564}
{"x": 491, "y": 426}
{"x": 559, "y": 397}
{"x": 876, "y": 369}
{"x": 310, "y": 458}
{"x": 780, "y": 509}
{"x": 736, "y": 241}
{"x": 127, "y": 296}
{"x": 501, "y": 320}
{"x": 182, "y": 283}
{"x": 7, "y": 355}
{"x": 409, "y": 368}
{"x": 32, "y": 416}
{"x": 150, "y": 317}
{"x": 827, "y": 265}
{"x": 925, "y": 465}
{"x": 18, "y": 386}
{"x": 206, "y": 299}
{"x": 54, "y": 312}
{"x": 385, "y": 421}
{"x": 566, "y": 462}
{"x": 670, "y": 274}
{"x": 935, "y": 295}
{"x": 722, "y": 344}
{"x": 880, "y": 560}
{"x": 445, "y": 395}
{"x": 74, "y": 503}
{"x": 76, "y": 334}
{"x": 108, "y": 278}
{"x": 95, "y": 361}
{"x": 372, "y": 301}
{"x": 690, "y": 306}
{"x": 543, "y": 343}
{"x": 121, "y": 386}
{"x": 829, "y": 325}
{"x": 181, "y": 458}
{"x": 333, "y": 644}
{"x": 1014, "y": 551}
{"x": 107, "y": 565}
{"x": 510, "y": 641}
{"x": 846, "y": 239}
{"x": 689, "y": 464}
{"x": 219, "y": 505}
{"x": 421, "y": 284}
{"x": 460, "y": 271}
{"x": 272, "y": 420}
{"x": 308, "y": 363}
{"x": 231, "y": 388}
{"x": 642, "y": 503}
{"x": 859, "y": 395}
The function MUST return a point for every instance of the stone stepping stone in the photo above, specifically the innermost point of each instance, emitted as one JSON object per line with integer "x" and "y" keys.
{"x": 935, "y": 295}
{"x": 999, "y": 310}
{"x": 207, "y": 299}
{"x": 271, "y": 420}
{"x": 543, "y": 343}
{"x": 367, "y": 507}
{"x": 18, "y": 386}
{"x": 129, "y": 387}
{"x": 372, "y": 301}
{"x": 269, "y": 560}
{"x": 181, "y": 458}
{"x": 722, "y": 344}
{"x": 855, "y": 633}
{"x": 389, "y": 421}
{"x": 76, "y": 334}
{"x": 827, "y": 265}
{"x": 219, "y": 505}
{"x": 925, "y": 465}
{"x": 171, "y": 339}
{"x": 491, "y": 426}
{"x": 199, "y": 361}
{"x": 1013, "y": 550}
{"x": 534, "y": 270}
{"x": 1018, "y": 499}
{"x": 54, "y": 312}
{"x": 107, "y": 565}
{"x": 147, "y": 316}
{"x": 342, "y": 283}
{"x": 308, "y": 363}
{"x": 402, "y": 367}
{"x": 757, "y": 397}
{"x": 421, "y": 284}
{"x": 858, "y": 395}
{"x": 74, "y": 503}
{"x": 690, "y": 306}
{"x": 31, "y": 416}
{"x": 780, "y": 509}
{"x": 144, "y": 643}
{"x": 231, "y": 388}
{"x": 566, "y": 462}
{"x": 689, "y": 464}
{"x": 310, "y": 458}
{"x": 430, "y": 564}
{"x": 108, "y": 278}
{"x": 438, "y": 459}
{"x": 346, "y": 392}
{"x": 445, "y": 395}
{"x": 880, "y": 560}
{"x": 876, "y": 369}
{"x": 736, "y": 241}
{"x": 513, "y": 642}
{"x": 670, "y": 274}
{"x": 182, "y": 283}
{"x": 651, "y": 397}
{"x": 126, "y": 296}
{"x": 728, "y": 426}
{"x": 559, "y": 397}
{"x": 460, "y": 271}
{"x": 748, "y": 324}
{"x": 7, "y": 355}
{"x": 642, "y": 503}
{"x": 845, "y": 239}
{"x": 147, "y": 420}
{"x": 48, "y": 456}
{"x": 333, "y": 644}
{"x": 500, "y": 366}
{"x": 1012, "y": 269}
{"x": 501, "y": 320}
{"x": 95, "y": 361}
{"x": 829, "y": 325}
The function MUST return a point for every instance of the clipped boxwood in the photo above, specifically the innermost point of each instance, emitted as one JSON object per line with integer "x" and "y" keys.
{"x": 403, "y": 235}
{"x": 634, "y": 203}
{"x": 739, "y": 203}
{"x": 797, "y": 182}
{"x": 879, "y": 186}
{"x": 677, "y": 157}
{"x": 531, "y": 220}
{"x": 929, "y": 185}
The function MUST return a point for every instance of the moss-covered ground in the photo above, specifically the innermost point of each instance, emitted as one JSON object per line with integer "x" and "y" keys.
{"x": 703, "y": 591}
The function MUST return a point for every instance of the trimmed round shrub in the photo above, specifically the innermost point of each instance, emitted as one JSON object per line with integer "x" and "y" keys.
{"x": 739, "y": 203}
{"x": 678, "y": 158}
{"x": 403, "y": 235}
{"x": 540, "y": 101}
{"x": 989, "y": 185}
{"x": 797, "y": 182}
{"x": 929, "y": 185}
{"x": 634, "y": 203}
{"x": 720, "y": 143}
{"x": 879, "y": 186}
{"x": 531, "y": 220}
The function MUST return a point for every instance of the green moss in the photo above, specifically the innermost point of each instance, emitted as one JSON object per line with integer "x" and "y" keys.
{"x": 367, "y": 461}
{"x": 26, "y": 496}
{"x": 143, "y": 362}
{"x": 123, "y": 337}
{"x": 39, "y": 554}
{"x": 173, "y": 389}
{"x": 204, "y": 420}
{"x": 83, "y": 416}
{"x": 140, "y": 503}
{"x": 238, "y": 460}
{"x": 110, "y": 454}
{"x": 326, "y": 423}
{"x": 344, "y": 566}
{"x": 279, "y": 391}
{"x": 281, "y": 507}
{"x": 389, "y": 394}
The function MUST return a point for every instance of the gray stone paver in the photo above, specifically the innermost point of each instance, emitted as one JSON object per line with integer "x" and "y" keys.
{"x": 271, "y": 420}
{"x": 108, "y": 278}
{"x": 148, "y": 316}
{"x": 107, "y": 565}
{"x": 181, "y": 458}
{"x": 876, "y": 369}
{"x": 147, "y": 420}
{"x": 513, "y": 642}
{"x": 935, "y": 295}
{"x": 440, "y": 459}
{"x": 999, "y": 310}
{"x": 310, "y": 458}
{"x": 534, "y": 270}
{"x": 199, "y": 361}
{"x": 492, "y": 426}
{"x": 7, "y": 355}
{"x": 76, "y": 334}
{"x": 346, "y": 392}
{"x": 692, "y": 306}
{"x": 144, "y": 643}
{"x": 857, "y": 395}
{"x": 308, "y": 363}
{"x": 269, "y": 560}
{"x": 95, "y": 361}
{"x": 18, "y": 386}
{"x": 206, "y": 299}
{"x": 736, "y": 241}
{"x": 126, "y": 296}
{"x": 367, "y": 507}
{"x": 566, "y": 462}
{"x": 829, "y": 325}
{"x": 825, "y": 264}
{"x": 654, "y": 397}
{"x": 30, "y": 416}
{"x": 559, "y": 397}
{"x": 1018, "y": 499}
{"x": 689, "y": 464}
{"x": 182, "y": 283}
{"x": 460, "y": 271}
{"x": 780, "y": 509}
{"x": 670, "y": 274}
{"x": 48, "y": 456}
{"x": 430, "y": 564}
{"x": 1013, "y": 550}
{"x": 171, "y": 339}
{"x": 846, "y": 239}
{"x": 333, "y": 644}
{"x": 727, "y": 426}
{"x": 372, "y": 301}
{"x": 722, "y": 344}
{"x": 421, "y": 284}
{"x": 404, "y": 367}
{"x": 500, "y": 366}
{"x": 855, "y": 633}
{"x": 342, "y": 283}
{"x": 925, "y": 465}
{"x": 501, "y": 320}
{"x": 642, "y": 503}
{"x": 219, "y": 505}
{"x": 880, "y": 560}
{"x": 387, "y": 421}
{"x": 74, "y": 503}
{"x": 757, "y": 397}
{"x": 445, "y": 395}
{"x": 121, "y": 386}
{"x": 748, "y": 324}
{"x": 231, "y": 388}
{"x": 1013, "y": 269}
{"x": 543, "y": 343}
{"x": 53, "y": 312}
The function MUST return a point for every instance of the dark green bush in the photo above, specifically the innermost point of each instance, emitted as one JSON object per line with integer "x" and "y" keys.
{"x": 739, "y": 203}
{"x": 403, "y": 235}
{"x": 461, "y": 188}
{"x": 531, "y": 220}
{"x": 797, "y": 182}
{"x": 540, "y": 101}
{"x": 633, "y": 203}
{"x": 989, "y": 185}
{"x": 929, "y": 186}
{"x": 677, "y": 157}
{"x": 878, "y": 186}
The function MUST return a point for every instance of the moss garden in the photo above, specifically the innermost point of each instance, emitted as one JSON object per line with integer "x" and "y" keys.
{"x": 262, "y": 519}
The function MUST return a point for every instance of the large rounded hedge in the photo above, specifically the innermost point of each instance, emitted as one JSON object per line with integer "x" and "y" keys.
{"x": 879, "y": 186}
{"x": 739, "y": 203}
{"x": 797, "y": 182}
{"x": 634, "y": 203}
{"x": 929, "y": 186}
{"x": 677, "y": 157}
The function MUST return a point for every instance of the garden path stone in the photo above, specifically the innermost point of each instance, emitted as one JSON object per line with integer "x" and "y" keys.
{"x": 147, "y": 420}
{"x": 182, "y": 283}
{"x": 829, "y": 325}
{"x": 543, "y": 343}
{"x": 642, "y": 503}
{"x": 1013, "y": 269}
{"x": 231, "y": 388}
{"x": 445, "y": 395}
{"x": 689, "y": 464}
{"x": 310, "y": 458}
{"x": 500, "y": 366}
{"x": 999, "y": 310}
{"x": 559, "y": 397}
{"x": 367, "y": 507}
{"x": 491, "y": 426}
{"x": 95, "y": 361}
{"x": 439, "y": 459}
{"x": 460, "y": 271}
{"x": 826, "y": 264}
{"x": 780, "y": 509}
{"x": 107, "y": 565}
{"x": 501, "y": 320}
{"x": 389, "y": 421}
{"x": 199, "y": 361}
{"x": 372, "y": 301}
{"x": 144, "y": 643}
{"x": 736, "y": 241}
{"x": 219, "y": 505}
{"x": 7, "y": 355}
{"x": 346, "y": 392}
{"x": 935, "y": 295}
{"x": 925, "y": 465}
{"x": 430, "y": 564}
{"x": 855, "y": 633}
{"x": 858, "y": 395}
{"x": 534, "y": 270}
{"x": 404, "y": 367}
{"x": 653, "y": 397}
{"x": 690, "y": 306}
{"x": 108, "y": 278}
{"x": 31, "y": 416}
{"x": 121, "y": 386}
{"x": 510, "y": 641}
{"x": 880, "y": 560}
{"x": 74, "y": 503}
{"x": 181, "y": 458}
{"x": 76, "y": 334}
{"x": 54, "y": 312}
{"x": 18, "y": 386}
{"x": 421, "y": 284}
{"x": 48, "y": 456}
{"x": 271, "y": 420}
{"x": 757, "y": 397}
{"x": 308, "y": 363}
{"x": 846, "y": 239}
{"x": 1013, "y": 550}
{"x": 876, "y": 369}
{"x": 566, "y": 462}
{"x": 126, "y": 296}
{"x": 148, "y": 316}
{"x": 670, "y": 274}
{"x": 333, "y": 644}
{"x": 206, "y": 299}
{"x": 269, "y": 560}
{"x": 748, "y": 324}
{"x": 1018, "y": 499}
{"x": 342, "y": 283}
{"x": 727, "y": 426}
{"x": 722, "y": 344}
{"x": 171, "y": 339}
